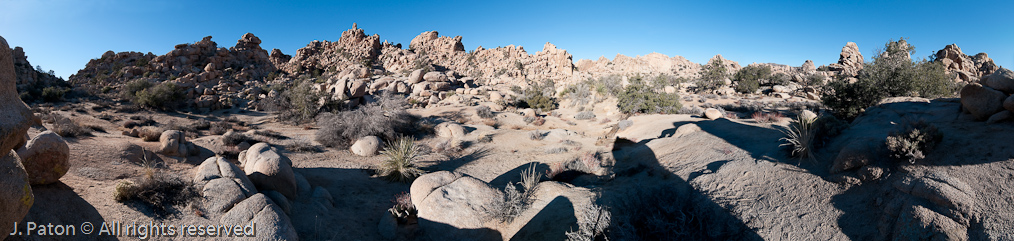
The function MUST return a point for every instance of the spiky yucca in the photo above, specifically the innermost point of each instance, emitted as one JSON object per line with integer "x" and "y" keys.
{"x": 799, "y": 137}
{"x": 400, "y": 165}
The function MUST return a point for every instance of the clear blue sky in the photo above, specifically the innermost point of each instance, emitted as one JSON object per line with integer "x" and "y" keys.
{"x": 63, "y": 35}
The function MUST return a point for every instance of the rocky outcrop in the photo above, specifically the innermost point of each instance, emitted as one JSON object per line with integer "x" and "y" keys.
{"x": 452, "y": 205}
{"x": 271, "y": 222}
{"x": 212, "y": 75}
{"x": 366, "y": 146}
{"x": 1002, "y": 80}
{"x": 174, "y": 143}
{"x": 967, "y": 68}
{"x": 31, "y": 81}
{"x": 15, "y": 191}
{"x": 849, "y": 62}
{"x": 46, "y": 158}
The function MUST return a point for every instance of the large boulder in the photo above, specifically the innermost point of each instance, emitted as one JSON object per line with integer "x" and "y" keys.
{"x": 453, "y": 205}
{"x": 46, "y": 158}
{"x": 357, "y": 89}
{"x": 270, "y": 221}
{"x": 415, "y": 77}
{"x": 1002, "y": 80}
{"x": 450, "y": 130}
{"x": 268, "y": 169}
{"x": 15, "y": 190}
{"x": 366, "y": 146}
{"x": 712, "y": 114}
{"x": 174, "y": 143}
{"x": 1009, "y": 103}
{"x": 435, "y": 76}
{"x": 224, "y": 184}
{"x": 981, "y": 101}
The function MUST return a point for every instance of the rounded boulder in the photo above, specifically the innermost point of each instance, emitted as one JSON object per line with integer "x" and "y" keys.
{"x": 46, "y": 158}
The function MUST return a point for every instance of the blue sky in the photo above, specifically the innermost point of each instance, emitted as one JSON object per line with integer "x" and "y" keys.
{"x": 63, "y": 35}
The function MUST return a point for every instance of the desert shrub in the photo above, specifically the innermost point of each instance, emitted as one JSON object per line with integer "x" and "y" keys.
{"x": 639, "y": 98}
{"x": 484, "y": 112}
{"x": 220, "y": 127}
{"x": 691, "y": 110}
{"x": 201, "y": 124}
{"x": 130, "y": 89}
{"x": 556, "y": 150}
{"x": 385, "y": 118}
{"x": 66, "y": 127}
{"x": 514, "y": 201}
{"x": 892, "y": 73}
{"x": 302, "y": 145}
{"x": 159, "y": 192}
{"x": 163, "y": 96}
{"x": 814, "y": 80}
{"x": 766, "y": 117}
{"x": 403, "y": 207}
{"x": 539, "y": 95}
{"x": 233, "y": 138}
{"x": 912, "y": 144}
{"x": 580, "y": 94}
{"x": 584, "y": 115}
{"x": 799, "y": 137}
{"x": 657, "y": 212}
{"x": 54, "y": 93}
{"x": 594, "y": 221}
{"x": 448, "y": 147}
{"x": 748, "y": 78}
{"x": 536, "y": 135}
{"x": 400, "y": 162}
{"x": 778, "y": 79}
{"x": 713, "y": 76}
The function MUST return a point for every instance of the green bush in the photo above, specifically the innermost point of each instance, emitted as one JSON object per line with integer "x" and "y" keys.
{"x": 539, "y": 95}
{"x": 891, "y": 74}
{"x": 748, "y": 78}
{"x": 53, "y": 93}
{"x": 912, "y": 145}
{"x": 164, "y": 96}
{"x": 640, "y": 98}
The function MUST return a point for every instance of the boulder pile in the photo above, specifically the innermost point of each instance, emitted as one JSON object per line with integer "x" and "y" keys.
{"x": 15, "y": 190}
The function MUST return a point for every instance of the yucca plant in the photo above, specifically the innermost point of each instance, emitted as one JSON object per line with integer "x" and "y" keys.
{"x": 400, "y": 165}
{"x": 799, "y": 137}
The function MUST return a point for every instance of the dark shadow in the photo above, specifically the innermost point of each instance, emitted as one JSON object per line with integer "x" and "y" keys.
{"x": 551, "y": 223}
{"x": 357, "y": 195}
{"x": 454, "y": 163}
{"x": 648, "y": 202}
{"x": 514, "y": 175}
{"x": 709, "y": 169}
{"x": 436, "y": 231}
{"x": 58, "y": 204}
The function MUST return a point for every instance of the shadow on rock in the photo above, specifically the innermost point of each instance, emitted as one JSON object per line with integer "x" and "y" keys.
{"x": 58, "y": 204}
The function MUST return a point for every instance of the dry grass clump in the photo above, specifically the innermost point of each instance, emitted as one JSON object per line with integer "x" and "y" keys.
{"x": 400, "y": 164}
{"x": 448, "y": 147}
{"x": 149, "y": 133}
{"x": 912, "y": 145}
{"x": 536, "y": 135}
{"x": 66, "y": 127}
{"x": 593, "y": 224}
{"x": 556, "y": 150}
{"x": 220, "y": 127}
{"x": 515, "y": 202}
{"x": 799, "y": 137}
{"x": 491, "y": 122}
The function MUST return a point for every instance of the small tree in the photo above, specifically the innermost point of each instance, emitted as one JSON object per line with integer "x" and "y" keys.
{"x": 713, "y": 74}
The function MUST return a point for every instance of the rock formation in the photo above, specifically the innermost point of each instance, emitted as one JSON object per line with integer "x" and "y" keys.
{"x": 968, "y": 68}
{"x": 849, "y": 62}
{"x": 46, "y": 158}
{"x": 15, "y": 191}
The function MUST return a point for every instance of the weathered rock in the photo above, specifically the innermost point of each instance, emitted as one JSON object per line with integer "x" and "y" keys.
{"x": 322, "y": 196}
{"x": 416, "y": 77}
{"x": 366, "y": 146}
{"x": 1000, "y": 117}
{"x": 712, "y": 114}
{"x": 173, "y": 143}
{"x": 357, "y": 89}
{"x": 16, "y": 117}
{"x": 280, "y": 200}
{"x": 982, "y": 102}
{"x": 218, "y": 167}
{"x": 450, "y": 130}
{"x": 808, "y": 115}
{"x": 624, "y": 124}
{"x": 16, "y": 196}
{"x": 435, "y": 76}
{"x": 1002, "y": 80}
{"x": 268, "y": 169}
{"x": 919, "y": 223}
{"x": 221, "y": 194}
{"x": 462, "y": 204}
{"x": 850, "y": 61}
{"x": 46, "y": 158}
{"x": 808, "y": 67}
{"x": 1009, "y": 103}
{"x": 856, "y": 154}
{"x": 271, "y": 222}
